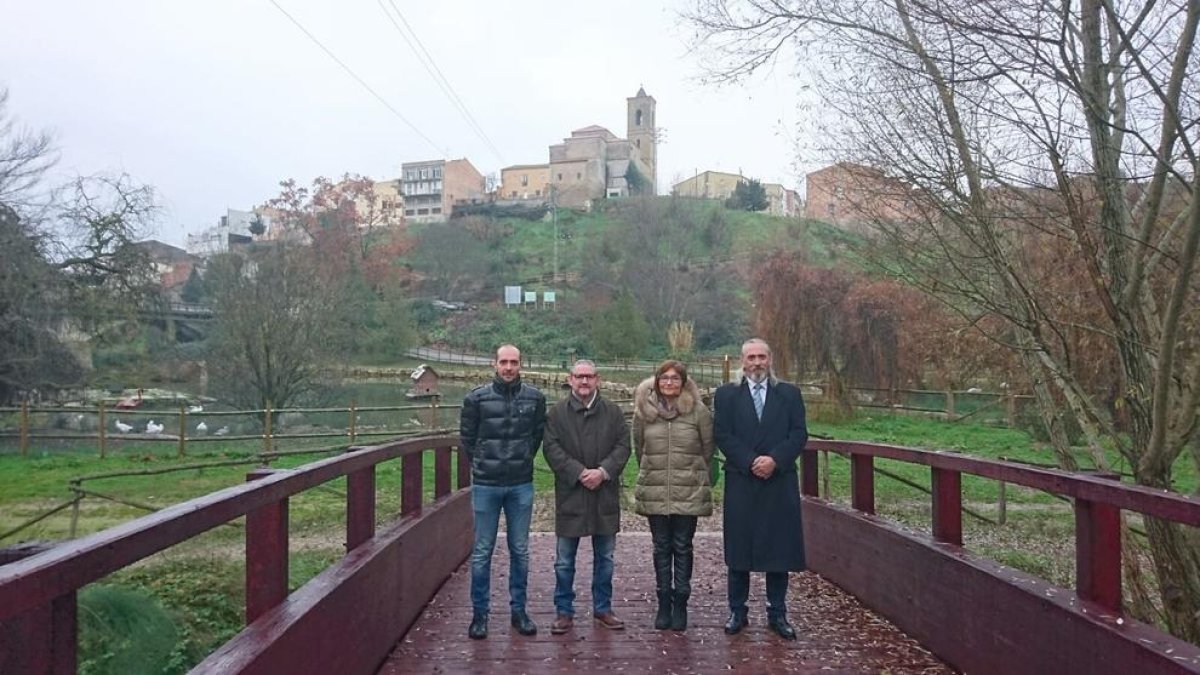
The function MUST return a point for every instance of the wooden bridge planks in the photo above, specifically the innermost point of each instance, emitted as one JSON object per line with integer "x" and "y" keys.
{"x": 836, "y": 632}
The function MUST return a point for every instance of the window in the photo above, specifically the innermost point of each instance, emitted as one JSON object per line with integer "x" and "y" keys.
{"x": 436, "y": 209}
{"x": 638, "y": 142}
{"x": 437, "y": 172}
{"x": 410, "y": 212}
{"x": 524, "y": 179}
{"x": 578, "y": 176}
{"x": 560, "y": 177}
{"x": 422, "y": 212}
{"x": 637, "y": 121}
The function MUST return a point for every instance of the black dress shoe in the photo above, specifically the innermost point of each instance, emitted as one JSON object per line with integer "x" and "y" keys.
{"x": 478, "y": 628}
{"x": 782, "y": 628}
{"x": 735, "y": 624}
{"x": 523, "y": 624}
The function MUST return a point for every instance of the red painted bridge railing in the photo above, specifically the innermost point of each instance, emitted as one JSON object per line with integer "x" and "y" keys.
{"x": 356, "y": 608}
{"x": 978, "y": 615}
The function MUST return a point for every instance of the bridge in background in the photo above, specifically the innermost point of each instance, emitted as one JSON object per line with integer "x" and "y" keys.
{"x": 972, "y": 613}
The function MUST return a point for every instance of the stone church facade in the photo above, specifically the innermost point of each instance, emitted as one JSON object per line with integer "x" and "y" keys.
{"x": 593, "y": 163}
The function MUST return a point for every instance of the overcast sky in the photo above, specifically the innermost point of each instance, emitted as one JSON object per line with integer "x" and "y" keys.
{"x": 214, "y": 102}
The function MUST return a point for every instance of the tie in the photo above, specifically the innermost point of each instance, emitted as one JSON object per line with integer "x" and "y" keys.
{"x": 758, "y": 400}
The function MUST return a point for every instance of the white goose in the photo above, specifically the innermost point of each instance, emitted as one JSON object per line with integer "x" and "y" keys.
{"x": 152, "y": 428}
{"x": 222, "y": 431}
{"x": 122, "y": 427}
{"x": 202, "y": 428}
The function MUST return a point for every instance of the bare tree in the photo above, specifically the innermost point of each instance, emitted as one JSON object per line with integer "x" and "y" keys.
{"x": 1011, "y": 129}
{"x": 275, "y": 328}
{"x": 25, "y": 156}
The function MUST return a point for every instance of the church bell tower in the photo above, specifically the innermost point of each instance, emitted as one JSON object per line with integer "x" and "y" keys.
{"x": 643, "y": 135}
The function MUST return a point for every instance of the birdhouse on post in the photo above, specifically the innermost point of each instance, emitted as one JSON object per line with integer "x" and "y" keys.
{"x": 424, "y": 382}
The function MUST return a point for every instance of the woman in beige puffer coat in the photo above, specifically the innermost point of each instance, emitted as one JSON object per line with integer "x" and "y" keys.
{"x": 673, "y": 440}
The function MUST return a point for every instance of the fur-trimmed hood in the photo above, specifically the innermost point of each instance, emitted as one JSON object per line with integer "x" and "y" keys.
{"x": 646, "y": 407}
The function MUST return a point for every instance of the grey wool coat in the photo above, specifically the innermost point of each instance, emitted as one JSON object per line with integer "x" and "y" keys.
{"x": 674, "y": 454}
{"x": 579, "y": 437}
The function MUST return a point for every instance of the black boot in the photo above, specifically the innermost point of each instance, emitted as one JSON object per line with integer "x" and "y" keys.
{"x": 679, "y": 611}
{"x": 662, "y": 619}
{"x": 681, "y": 549}
{"x": 660, "y": 536}
{"x": 478, "y": 628}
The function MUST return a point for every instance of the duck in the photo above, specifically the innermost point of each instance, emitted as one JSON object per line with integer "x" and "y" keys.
{"x": 122, "y": 427}
{"x": 222, "y": 431}
{"x": 152, "y": 428}
{"x": 193, "y": 409}
{"x": 130, "y": 402}
{"x": 202, "y": 428}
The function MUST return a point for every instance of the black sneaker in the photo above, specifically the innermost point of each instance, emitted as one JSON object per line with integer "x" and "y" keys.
{"x": 523, "y": 624}
{"x": 478, "y": 627}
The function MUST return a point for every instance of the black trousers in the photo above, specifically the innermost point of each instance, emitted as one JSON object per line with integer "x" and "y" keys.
{"x": 672, "y": 537}
{"x": 739, "y": 592}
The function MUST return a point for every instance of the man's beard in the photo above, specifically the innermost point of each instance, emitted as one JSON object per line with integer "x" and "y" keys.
{"x": 757, "y": 378}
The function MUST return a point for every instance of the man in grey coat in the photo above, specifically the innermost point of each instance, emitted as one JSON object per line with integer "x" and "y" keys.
{"x": 586, "y": 445}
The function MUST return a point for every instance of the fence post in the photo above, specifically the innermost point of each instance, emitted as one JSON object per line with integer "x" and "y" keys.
{"x": 950, "y": 412}
{"x": 43, "y": 639}
{"x": 808, "y": 472}
{"x": 947, "y": 505}
{"x": 1002, "y": 504}
{"x": 182, "y": 432}
{"x": 266, "y": 553}
{"x": 862, "y": 483}
{"x": 412, "y": 477}
{"x": 1098, "y": 550}
{"x": 725, "y": 369}
{"x": 103, "y": 430}
{"x": 24, "y": 428}
{"x": 435, "y": 420}
{"x": 441, "y": 472}
{"x": 360, "y": 506}
{"x": 464, "y": 468}
{"x": 267, "y": 430}
{"x": 825, "y": 474}
{"x": 353, "y": 419}
{"x": 1010, "y": 407}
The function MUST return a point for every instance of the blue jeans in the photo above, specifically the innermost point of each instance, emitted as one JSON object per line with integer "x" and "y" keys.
{"x": 517, "y": 503}
{"x": 603, "y": 546}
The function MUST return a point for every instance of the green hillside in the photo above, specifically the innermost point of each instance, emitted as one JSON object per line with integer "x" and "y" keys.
{"x": 676, "y": 260}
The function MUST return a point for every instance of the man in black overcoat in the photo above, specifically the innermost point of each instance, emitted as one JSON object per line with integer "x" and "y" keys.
{"x": 759, "y": 426}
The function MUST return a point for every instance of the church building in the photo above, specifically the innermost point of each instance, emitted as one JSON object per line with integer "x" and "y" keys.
{"x": 593, "y": 163}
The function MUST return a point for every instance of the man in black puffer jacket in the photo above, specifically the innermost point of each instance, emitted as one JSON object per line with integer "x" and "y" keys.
{"x": 501, "y": 428}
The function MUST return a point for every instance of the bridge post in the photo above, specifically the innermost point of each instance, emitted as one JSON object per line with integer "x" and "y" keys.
{"x": 266, "y": 553}
{"x": 862, "y": 483}
{"x": 808, "y": 473}
{"x": 1098, "y": 551}
{"x": 441, "y": 472}
{"x": 360, "y": 506}
{"x": 947, "y": 506}
{"x": 411, "y": 479}
{"x": 464, "y": 468}
{"x": 43, "y": 640}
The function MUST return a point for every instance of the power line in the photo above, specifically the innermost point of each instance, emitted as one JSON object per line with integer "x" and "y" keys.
{"x": 427, "y": 61}
{"x": 358, "y": 79}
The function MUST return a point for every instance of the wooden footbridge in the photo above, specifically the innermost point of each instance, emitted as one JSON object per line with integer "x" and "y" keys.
{"x": 879, "y": 597}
